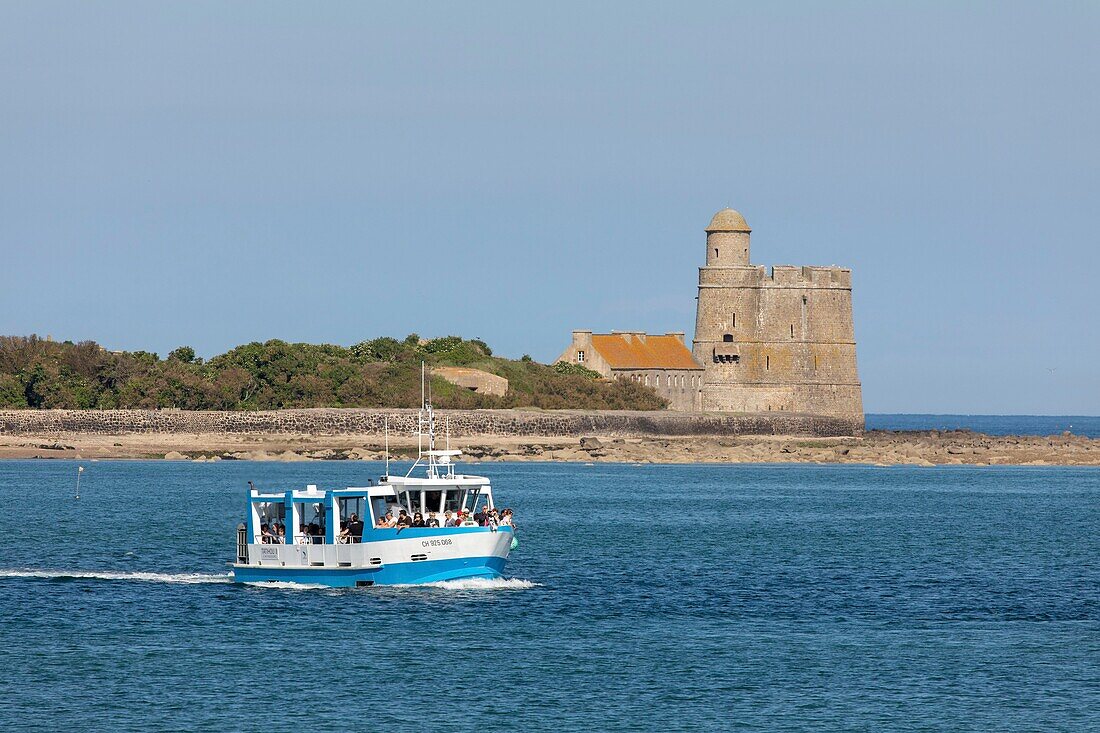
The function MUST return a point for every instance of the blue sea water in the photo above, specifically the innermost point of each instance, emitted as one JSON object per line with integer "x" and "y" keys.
{"x": 643, "y": 598}
{"x": 1083, "y": 425}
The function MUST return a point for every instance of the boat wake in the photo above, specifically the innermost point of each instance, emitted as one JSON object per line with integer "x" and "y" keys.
{"x": 185, "y": 578}
{"x": 481, "y": 584}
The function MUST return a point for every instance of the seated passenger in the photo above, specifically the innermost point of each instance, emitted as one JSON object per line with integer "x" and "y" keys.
{"x": 391, "y": 521}
{"x": 448, "y": 519}
{"x": 345, "y": 535}
{"x": 418, "y": 521}
{"x": 280, "y": 535}
{"x": 506, "y": 517}
{"x": 403, "y": 519}
{"x": 265, "y": 534}
{"x": 303, "y": 535}
{"x": 481, "y": 516}
{"x": 432, "y": 520}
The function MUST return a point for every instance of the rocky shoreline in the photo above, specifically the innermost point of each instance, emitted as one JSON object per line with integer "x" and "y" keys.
{"x": 920, "y": 448}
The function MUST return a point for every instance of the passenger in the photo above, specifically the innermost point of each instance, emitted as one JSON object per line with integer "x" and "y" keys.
{"x": 481, "y": 516}
{"x": 345, "y": 535}
{"x": 265, "y": 534}
{"x": 491, "y": 520}
{"x": 448, "y": 519}
{"x": 418, "y": 521}
{"x": 403, "y": 519}
{"x": 432, "y": 520}
{"x": 391, "y": 521}
{"x": 280, "y": 536}
{"x": 303, "y": 536}
{"x": 315, "y": 533}
{"x": 506, "y": 518}
{"x": 355, "y": 527}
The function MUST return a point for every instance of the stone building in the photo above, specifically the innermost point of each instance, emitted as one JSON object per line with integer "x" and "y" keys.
{"x": 474, "y": 380}
{"x": 661, "y": 362}
{"x": 780, "y": 341}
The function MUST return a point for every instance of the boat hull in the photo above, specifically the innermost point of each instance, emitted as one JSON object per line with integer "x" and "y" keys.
{"x": 419, "y": 556}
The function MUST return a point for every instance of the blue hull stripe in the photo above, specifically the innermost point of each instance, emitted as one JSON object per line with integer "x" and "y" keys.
{"x": 425, "y": 571}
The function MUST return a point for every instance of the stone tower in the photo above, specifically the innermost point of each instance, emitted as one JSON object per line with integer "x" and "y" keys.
{"x": 778, "y": 342}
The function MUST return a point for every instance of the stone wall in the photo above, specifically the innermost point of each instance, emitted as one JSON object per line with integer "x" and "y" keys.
{"x": 463, "y": 423}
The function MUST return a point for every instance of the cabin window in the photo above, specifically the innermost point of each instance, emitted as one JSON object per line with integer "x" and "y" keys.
{"x": 379, "y": 505}
{"x": 580, "y": 357}
{"x": 350, "y": 505}
{"x": 411, "y": 500}
{"x": 727, "y": 338}
{"x": 471, "y": 498}
{"x": 453, "y": 500}
{"x": 433, "y": 501}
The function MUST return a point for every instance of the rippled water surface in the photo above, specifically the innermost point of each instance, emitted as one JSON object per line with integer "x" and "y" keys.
{"x": 641, "y": 598}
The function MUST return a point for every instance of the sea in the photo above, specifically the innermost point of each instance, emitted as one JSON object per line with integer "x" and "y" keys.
{"x": 1082, "y": 425}
{"x": 640, "y": 598}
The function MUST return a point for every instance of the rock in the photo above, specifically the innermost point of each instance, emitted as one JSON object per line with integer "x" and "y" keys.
{"x": 591, "y": 443}
{"x": 174, "y": 455}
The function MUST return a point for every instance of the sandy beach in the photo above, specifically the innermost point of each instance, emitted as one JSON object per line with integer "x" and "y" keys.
{"x": 924, "y": 448}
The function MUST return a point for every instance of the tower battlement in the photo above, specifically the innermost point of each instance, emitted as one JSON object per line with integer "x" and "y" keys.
{"x": 778, "y": 340}
{"x": 780, "y": 276}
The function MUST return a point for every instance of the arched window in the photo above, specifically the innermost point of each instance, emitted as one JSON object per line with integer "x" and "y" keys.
{"x": 727, "y": 338}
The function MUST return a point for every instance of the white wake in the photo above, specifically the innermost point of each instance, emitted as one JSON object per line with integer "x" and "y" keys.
{"x": 187, "y": 578}
{"x": 481, "y": 584}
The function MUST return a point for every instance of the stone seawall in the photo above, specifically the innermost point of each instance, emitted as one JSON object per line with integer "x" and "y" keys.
{"x": 463, "y": 423}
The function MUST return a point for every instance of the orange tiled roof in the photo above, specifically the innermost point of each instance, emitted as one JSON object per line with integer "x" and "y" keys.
{"x": 624, "y": 351}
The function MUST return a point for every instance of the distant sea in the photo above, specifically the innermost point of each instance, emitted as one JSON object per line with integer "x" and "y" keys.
{"x": 1085, "y": 425}
{"x": 641, "y": 598}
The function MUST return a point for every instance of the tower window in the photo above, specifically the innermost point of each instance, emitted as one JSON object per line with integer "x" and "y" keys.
{"x": 733, "y": 321}
{"x": 792, "y": 330}
{"x": 715, "y": 253}
{"x": 768, "y": 364}
{"x": 727, "y": 338}
{"x": 580, "y": 357}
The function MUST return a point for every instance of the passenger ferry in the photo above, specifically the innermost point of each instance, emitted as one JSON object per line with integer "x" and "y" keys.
{"x": 343, "y": 545}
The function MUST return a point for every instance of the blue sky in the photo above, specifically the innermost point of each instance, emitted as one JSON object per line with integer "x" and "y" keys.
{"x": 214, "y": 173}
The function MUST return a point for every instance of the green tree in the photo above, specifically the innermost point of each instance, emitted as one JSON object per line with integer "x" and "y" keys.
{"x": 183, "y": 354}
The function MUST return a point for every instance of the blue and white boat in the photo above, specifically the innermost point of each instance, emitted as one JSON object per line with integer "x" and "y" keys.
{"x": 343, "y": 546}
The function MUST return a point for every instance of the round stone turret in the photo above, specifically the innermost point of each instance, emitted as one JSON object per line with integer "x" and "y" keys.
{"x": 728, "y": 240}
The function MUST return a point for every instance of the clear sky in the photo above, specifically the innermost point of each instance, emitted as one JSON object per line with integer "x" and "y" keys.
{"x": 216, "y": 173}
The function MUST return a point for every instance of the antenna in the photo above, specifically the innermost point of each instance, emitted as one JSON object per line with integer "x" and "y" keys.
{"x": 387, "y": 424}
{"x": 79, "y": 470}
